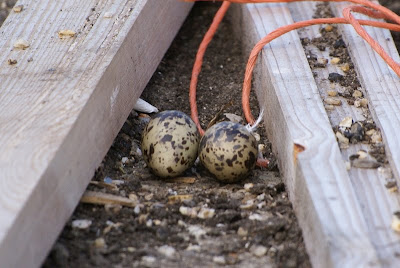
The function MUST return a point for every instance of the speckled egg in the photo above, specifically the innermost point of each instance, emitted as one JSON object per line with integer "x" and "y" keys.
{"x": 229, "y": 151}
{"x": 170, "y": 143}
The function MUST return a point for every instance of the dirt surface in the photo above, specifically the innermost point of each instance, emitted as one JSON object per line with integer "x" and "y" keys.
{"x": 200, "y": 223}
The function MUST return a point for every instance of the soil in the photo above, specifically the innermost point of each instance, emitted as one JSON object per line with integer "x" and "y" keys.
{"x": 196, "y": 221}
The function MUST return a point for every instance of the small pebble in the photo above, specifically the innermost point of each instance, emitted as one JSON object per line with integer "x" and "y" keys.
{"x": 234, "y": 118}
{"x": 186, "y": 211}
{"x": 345, "y": 67}
{"x": 242, "y": 232}
{"x": 329, "y": 107}
{"x": 322, "y": 61}
{"x": 365, "y": 163}
{"x": 64, "y": 34}
{"x": 362, "y": 154}
{"x": 341, "y": 138}
{"x": 248, "y": 205}
{"x": 258, "y": 251}
{"x": 396, "y": 221}
{"x": 364, "y": 103}
{"x": 348, "y": 165}
{"x": 108, "y": 15}
{"x": 136, "y": 210}
{"x": 335, "y": 60}
{"x": 206, "y": 213}
{"x": 99, "y": 243}
{"x": 370, "y": 132}
{"x": 193, "y": 248}
{"x": 148, "y": 197}
{"x": 332, "y": 93}
{"x": 356, "y": 132}
{"x": 11, "y": 62}
{"x": 196, "y": 231}
{"x": 18, "y": 8}
{"x": 333, "y": 101}
{"x": 21, "y": 44}
{"x": 167, "y": 251}
{"x": 131, "y": 249}
{"x": 357, "y": 94}
{"x": 219, "y": 260}
{"x": 335, "y": 77}
{"x": 81, "y": 224}
{"x": 328, "y": 28}
{"x": 248, "y": 186}
{"x": 346, "y": 122}
{"x": 258, "y": 217}
{"x": 148, "y": 259}
{"x": 376, "y": 137}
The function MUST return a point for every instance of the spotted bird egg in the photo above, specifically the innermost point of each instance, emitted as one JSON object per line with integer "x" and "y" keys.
{"x": 228, "y": 150}
{"x": 169, "y": 143}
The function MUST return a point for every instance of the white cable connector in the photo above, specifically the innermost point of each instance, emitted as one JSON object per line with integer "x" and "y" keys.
{"x": 253, "y": 128}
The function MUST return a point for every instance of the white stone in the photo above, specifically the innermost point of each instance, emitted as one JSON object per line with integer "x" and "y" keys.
{"x": 81, "y": 224}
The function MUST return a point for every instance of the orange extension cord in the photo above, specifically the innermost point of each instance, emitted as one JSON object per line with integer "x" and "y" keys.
{"x": 365, "y": 7}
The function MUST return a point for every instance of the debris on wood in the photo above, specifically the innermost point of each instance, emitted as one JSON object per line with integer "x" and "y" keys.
{"x": 365, "y": 163}
{"x": 99, "y": 198}
{"x": 11, "y": 62}
{"x": 21, "y": 44}
{"x": 332, "y": 93}
{"x": 357, "y": 94}
{"x": 18, "y": 8}
{"x": 333, "y": 101}
{"x": 346, "y": 122}
{"x": 335, "y": 77}
{"x": 335, "y": 60}
{"x": 108, "y": 15}
{"x": 345, "y": 67}
{"x": 64, "y": 34}
{"x": 396, "y": 221}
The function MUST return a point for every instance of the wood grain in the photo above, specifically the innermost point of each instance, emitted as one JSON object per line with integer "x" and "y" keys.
{"x": 63, "y": 103}
{"x": 377, "y": 203}
{"x": 335, "y": 214}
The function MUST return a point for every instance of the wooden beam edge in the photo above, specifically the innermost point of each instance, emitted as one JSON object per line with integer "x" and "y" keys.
{"x": 36, "y": 227}
{"x": 329, "y": 243}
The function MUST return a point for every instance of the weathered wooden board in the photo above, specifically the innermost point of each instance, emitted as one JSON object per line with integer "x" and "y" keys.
{"x": 63, "y": 102}
{"x": 345, "y": 215}
{"x": 377, "y": 203}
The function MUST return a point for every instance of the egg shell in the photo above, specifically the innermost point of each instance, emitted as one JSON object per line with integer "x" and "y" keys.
{"x": 170, "y": 143}
{"x": 229, "y": 151}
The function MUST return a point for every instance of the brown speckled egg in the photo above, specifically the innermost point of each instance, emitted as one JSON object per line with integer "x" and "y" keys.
{"x": 229, "y": 151}
{"x": 170, "y": 143}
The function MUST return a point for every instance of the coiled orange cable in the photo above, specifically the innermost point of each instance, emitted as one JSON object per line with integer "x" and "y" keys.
{"x": 365, "y": 7}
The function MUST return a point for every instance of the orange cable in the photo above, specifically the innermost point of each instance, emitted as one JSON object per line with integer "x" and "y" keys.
{"x": 199, "y": 61}
{"x": 374, "y": 11}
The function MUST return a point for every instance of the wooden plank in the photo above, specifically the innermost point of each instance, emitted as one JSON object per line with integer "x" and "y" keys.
{"x": 328, "y": 202}
{"x": 377, "y": 203}
{"x": 63, "y": 103}
{"x": 380, "y": 82}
